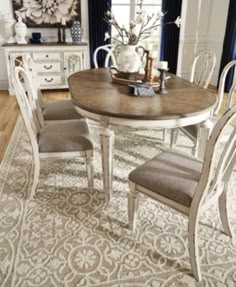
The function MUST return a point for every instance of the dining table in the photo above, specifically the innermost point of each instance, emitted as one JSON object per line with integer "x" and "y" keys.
{"x": 97, "y": 96}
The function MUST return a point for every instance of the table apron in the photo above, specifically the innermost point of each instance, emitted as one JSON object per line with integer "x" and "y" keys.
{"x": 168, "y": 123}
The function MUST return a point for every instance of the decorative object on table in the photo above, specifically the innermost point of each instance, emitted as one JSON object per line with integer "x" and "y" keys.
{"x": 143, "y": 90}
{"x": 162, "y": 68}
{"x": 21, "y": 31}
{"x": 76, "y": 32}
{"x": 118, "y": 78}
{"x": 9, "y": 24}
{"x": 149, "y": 71}
{"x": 139, "y": 30}
{"x": 36, "y": 38}
{"x": 37, "y": 13}
{"x": 129, "y": 60}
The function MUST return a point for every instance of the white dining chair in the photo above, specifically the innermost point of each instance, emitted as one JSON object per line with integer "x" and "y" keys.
{"x": 202, "y": 68}
{"x": 201, "y": 73}
{"x": 66, "y": 139}
{"x": 188, "y": 184}
{"x": 59, "y": 110}
{"x": 109, "y": 57}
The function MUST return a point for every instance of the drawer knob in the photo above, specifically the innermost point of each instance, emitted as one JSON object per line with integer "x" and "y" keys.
{"x": 47, "y": 67}
{"x": 48, "y": 80}
{"x": 46, "y": 56}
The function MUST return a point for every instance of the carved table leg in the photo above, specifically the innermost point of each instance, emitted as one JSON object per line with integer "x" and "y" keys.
{"x": 107, "y": 144}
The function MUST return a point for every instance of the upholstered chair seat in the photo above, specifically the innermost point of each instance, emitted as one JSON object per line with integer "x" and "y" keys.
{"x": 188, "y": 184}
{"x": 68, "y": 136}
{"x": 172, "y": 174}
{"x": 60, "y": 110}
{"x": 65, "y": 139}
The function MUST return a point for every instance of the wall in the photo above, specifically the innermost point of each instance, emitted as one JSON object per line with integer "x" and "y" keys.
{"x": 203, "y": 27}
{"x": 50, "y": 34}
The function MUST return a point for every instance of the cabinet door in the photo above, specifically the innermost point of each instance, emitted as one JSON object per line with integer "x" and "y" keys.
{"x": 74, "y": 62}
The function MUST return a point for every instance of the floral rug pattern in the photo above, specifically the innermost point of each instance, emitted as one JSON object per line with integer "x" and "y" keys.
{"x": 67, "y": 236}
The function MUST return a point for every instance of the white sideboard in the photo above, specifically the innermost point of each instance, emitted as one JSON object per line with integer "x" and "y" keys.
{"x": 54, "y": 62}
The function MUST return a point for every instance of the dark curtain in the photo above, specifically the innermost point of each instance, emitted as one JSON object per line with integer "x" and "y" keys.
{"x": 170, "y": 33}
{"x": 229, "y": 46}
{"x": 97, "y": 27}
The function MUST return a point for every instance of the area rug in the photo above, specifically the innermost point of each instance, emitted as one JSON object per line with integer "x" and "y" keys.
{"x": 67, "y": 236}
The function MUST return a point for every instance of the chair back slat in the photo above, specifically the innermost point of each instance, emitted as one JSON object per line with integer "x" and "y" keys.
{"x": 215, "y": 167}
{"x": 203, "y": 68}
{"x": 35, "y": 93}
{"x": 109, "y": 56}
{"x": 227, "y": 68}
{"x": 27, "y": 108}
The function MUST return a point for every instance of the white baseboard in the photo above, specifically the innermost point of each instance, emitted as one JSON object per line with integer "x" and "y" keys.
{"x": 3, "y": 85}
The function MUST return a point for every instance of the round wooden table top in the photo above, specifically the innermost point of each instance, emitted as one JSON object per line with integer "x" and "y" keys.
{"x": 93, "y": 91}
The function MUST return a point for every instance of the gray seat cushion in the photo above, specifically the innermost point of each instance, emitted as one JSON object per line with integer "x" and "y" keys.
{"x": 60, "y": 110}
{"x": 172, "y": 174}
{"x": 68, "y": 136}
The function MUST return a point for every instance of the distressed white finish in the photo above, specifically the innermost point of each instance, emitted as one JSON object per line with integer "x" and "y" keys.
{"x": 107, "y": 146}
{"x": 54, "y": 63}
{"x": 212, "y": 186}
{"x": 29, "y": 114}
{"x": 109, "y": 56}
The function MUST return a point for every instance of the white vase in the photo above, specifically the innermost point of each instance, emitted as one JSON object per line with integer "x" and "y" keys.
{"x": 21, "y": 32}
{"x": 129, "y": 59}
{"x": 9, "y": 23}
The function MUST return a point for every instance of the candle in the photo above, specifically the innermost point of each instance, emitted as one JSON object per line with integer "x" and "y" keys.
{"x": 149, "y": 46}
{"x": 63, "y": 21}
{"x": 162, "y": 65}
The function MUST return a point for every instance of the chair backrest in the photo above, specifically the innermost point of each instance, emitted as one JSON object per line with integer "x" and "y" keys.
{"x": 217, "y": 169}
{"x": 34, "y": 93}
{"x": 109, "y": 56}
{"x": 227, "y": 68}
{"x": 202, "y": 68}
{"x": 27, "y": 106}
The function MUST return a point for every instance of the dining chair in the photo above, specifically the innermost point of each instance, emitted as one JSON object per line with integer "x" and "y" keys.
{"x": 54, "y": 110}
{"x": 109, "y": 57}
{"x": 202, "y": 68}
{"x": 201, "y": 73}
{"x": 66, "y": 139}
{"x": 188, "y": 184}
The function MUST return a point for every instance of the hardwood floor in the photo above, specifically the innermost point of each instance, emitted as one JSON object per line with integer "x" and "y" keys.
{"x": 9, "y": 112}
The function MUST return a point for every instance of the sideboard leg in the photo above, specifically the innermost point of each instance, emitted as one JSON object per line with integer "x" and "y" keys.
{"x": 107, "y": 145}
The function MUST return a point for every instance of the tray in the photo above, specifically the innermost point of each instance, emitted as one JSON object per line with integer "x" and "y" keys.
{"x": 116, "y": 79}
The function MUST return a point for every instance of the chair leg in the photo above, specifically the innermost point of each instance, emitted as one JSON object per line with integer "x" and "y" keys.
{"x": 36, "y": 174}
{"x": 89, "y": 168}
{"x": 173, "y": 137}
{"x": 132, "y": 206}
{"x": 224, "y": 211}
{"x": 193, "y": 248}
{"x": 164, "y": 132}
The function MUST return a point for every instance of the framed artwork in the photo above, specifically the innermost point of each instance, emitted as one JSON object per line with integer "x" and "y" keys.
{"x": 47, "y": 13}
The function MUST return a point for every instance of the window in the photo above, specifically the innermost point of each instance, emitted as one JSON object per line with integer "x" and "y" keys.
{"x": 125, "y": 11}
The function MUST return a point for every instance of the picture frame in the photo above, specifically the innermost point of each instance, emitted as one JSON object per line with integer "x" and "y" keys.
{"x": 47, "y": 14}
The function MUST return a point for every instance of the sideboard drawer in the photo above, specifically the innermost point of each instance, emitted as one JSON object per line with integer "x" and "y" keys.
{"x": 47, "y": 80}
{"x": 48, "y": 67}
{"x": 46, "y": 56}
